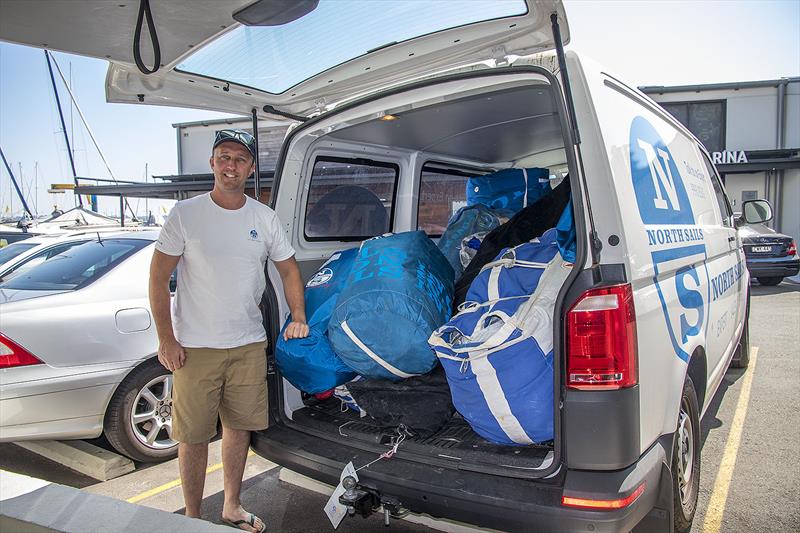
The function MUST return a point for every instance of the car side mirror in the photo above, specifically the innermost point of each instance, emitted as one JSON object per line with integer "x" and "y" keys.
{"x": 756, "y": 212}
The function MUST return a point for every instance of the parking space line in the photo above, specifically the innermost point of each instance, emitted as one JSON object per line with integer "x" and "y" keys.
{"x": 174, "y": 483}
{"x": 719, "y": 495}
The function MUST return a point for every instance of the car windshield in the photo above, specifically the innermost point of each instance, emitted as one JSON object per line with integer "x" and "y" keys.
{"x": 78, "y": 266}
{"x": 275, "y": 58}
{"x": 13, "y": 250}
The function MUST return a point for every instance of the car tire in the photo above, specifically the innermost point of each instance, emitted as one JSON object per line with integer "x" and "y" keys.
{"x": 686, "y": 459}
{"x": 770, "y": 281}
{"x": 741, "y": 358}
{"x": 138, "y": 421}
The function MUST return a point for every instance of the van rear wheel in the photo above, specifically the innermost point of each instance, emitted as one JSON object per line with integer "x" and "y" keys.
{"x": 686, "y": 459}
{"x": 770, "y": 281}
{"x": 741, "y": 358}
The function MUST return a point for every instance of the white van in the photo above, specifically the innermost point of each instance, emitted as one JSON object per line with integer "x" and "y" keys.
{"x": 406, "y": 100}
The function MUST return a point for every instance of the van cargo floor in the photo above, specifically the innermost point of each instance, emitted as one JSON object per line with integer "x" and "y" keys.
{"x": 455, "y": 443}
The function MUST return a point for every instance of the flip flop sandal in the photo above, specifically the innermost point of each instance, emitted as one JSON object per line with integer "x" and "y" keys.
{"x": 251, "y": 522}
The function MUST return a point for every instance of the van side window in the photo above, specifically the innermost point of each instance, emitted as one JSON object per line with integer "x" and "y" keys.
{"x": 722, "y": 200}
{"x": 350, "y": 199}
{"x": 442, "y": 192}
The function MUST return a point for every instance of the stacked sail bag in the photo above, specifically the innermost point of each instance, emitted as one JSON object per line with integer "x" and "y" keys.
{"x": 510, "y": 189}
{"x": 497, "y": 351}
{"x": 310, "y": 364}
{"x": 469, "y": 222}
{"x": 399, "y": 290}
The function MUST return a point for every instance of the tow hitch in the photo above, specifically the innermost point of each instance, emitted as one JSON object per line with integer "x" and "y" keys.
{"x": 365, "y": 501}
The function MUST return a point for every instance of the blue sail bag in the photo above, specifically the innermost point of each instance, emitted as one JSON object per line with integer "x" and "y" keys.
{"x": 511, "y": 188}
{"x": 399, "y": 290}
{"x": 468, "y": 221}
{"x": 497, "y": 351}
{"x": 310, "y": 364}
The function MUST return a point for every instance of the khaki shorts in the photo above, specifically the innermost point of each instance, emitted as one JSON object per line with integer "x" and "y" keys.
{"x": 231, "y": 383}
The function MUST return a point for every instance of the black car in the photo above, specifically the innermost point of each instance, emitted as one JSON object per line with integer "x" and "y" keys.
{"x": 771, "y": 256}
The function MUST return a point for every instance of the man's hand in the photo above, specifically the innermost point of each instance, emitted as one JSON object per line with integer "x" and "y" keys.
{"x": 295, "y": 330}
{"x": 171, "y": 355}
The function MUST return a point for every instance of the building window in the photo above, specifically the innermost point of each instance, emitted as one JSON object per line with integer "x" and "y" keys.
{"x": 350, "y": 199}
{"x": 725, "y": 210}
{"x": 705, "y": 119}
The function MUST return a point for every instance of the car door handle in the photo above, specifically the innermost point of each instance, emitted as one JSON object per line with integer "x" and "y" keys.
{"x": 731, "y": 239}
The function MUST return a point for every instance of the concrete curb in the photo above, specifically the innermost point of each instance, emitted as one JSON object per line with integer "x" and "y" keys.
{"x": 59, "y": 508}
{"x": 82, "y": 457}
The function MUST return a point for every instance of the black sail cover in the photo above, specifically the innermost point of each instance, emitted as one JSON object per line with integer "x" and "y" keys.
{"x": 421, "y": 403}
{"x": 527, "y": 224}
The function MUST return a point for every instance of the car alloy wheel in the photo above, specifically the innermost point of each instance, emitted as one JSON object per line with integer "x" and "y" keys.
{"x": 151, "y": 414}
{"x": 138, "y": 420}
{"x": 686, "y": 453}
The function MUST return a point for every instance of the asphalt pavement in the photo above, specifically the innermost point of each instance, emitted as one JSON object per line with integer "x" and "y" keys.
{"x": 764, "y": 489}
{"x": 750, "y": 472}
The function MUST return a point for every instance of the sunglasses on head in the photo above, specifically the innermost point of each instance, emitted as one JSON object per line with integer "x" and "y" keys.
{"x": 234, "y": 135}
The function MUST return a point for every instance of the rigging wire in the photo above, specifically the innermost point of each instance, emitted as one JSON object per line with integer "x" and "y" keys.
{"x": 89, "y": 131}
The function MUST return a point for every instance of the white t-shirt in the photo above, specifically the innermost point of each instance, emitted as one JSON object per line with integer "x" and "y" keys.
{"x": 221, "y": 271}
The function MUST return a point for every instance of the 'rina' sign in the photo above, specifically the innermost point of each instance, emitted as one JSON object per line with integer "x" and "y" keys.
{"x": 729, "y": 156}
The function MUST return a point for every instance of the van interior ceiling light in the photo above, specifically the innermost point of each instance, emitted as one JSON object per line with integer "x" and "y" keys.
{"x": 144, "y": 11}
{"x": 389, "y": 118}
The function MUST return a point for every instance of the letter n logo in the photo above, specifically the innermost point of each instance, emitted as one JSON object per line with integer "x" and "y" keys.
{"x": 658, "y": 184}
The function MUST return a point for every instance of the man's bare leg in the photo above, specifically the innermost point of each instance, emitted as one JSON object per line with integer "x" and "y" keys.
{"x": 193, "y": 461}
{"x": 235, "y": 443}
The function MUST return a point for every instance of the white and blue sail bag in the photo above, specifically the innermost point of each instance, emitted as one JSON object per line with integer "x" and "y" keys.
{"x": 497, "y": 351}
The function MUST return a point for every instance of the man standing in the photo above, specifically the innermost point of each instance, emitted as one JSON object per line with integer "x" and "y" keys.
{"x": 215, "y": 348}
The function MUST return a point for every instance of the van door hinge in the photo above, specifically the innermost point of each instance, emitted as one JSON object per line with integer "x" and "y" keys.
{"x": 597, "y": 244}
{"x": 500, "y": 56}
{"x": 272, "y": 111}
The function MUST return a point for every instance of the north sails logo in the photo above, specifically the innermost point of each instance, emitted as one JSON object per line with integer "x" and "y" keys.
{"x": 320, "y": 278}
{"x": 677, "y": 245}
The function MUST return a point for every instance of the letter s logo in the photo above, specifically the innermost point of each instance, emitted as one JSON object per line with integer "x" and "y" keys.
{"x": 690, "y": 299}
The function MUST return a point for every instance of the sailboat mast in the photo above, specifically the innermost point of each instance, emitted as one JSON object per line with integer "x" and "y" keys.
{"x": 63, "y": 126}
{"x": 91, "y": 135}
{"x": 16, "y": 185}
{"x": 36, "y": 187}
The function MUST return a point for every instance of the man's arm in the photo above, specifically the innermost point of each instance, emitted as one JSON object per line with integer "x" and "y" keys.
{"x": 170, "y": 353}
{"x": 293, "y": 291}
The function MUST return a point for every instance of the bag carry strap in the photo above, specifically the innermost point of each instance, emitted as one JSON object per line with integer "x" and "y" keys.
{"x": 375, "y": 357}
{"x": 532, "y": 319}
{"x": 525, "y": 199}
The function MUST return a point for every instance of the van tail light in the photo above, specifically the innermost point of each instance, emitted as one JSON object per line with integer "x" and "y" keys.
{"x": 12, "y": 354}
{"x": 601, "y": 340}
{"x": 792, "y": 250}
{"x": 586, "y": 503}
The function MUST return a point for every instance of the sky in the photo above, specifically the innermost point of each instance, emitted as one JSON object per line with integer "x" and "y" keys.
{"x": 666, "y": 42}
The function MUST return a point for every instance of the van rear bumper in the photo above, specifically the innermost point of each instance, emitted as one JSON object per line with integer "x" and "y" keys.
{"x": 508, "y": 504}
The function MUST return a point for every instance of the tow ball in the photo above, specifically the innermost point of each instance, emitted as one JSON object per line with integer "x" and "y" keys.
{"x": 365, "y": 501}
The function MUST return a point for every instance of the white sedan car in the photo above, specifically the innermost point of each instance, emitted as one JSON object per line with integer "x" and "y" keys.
{"x": 78, "y": 350}
{"x": 20, "y": 256}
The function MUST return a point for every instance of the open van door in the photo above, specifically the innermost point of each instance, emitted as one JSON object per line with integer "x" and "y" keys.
{"x": 337, "y": 51}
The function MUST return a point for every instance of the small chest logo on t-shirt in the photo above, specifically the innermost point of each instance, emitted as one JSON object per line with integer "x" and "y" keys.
{"x": 253, "y": 235}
